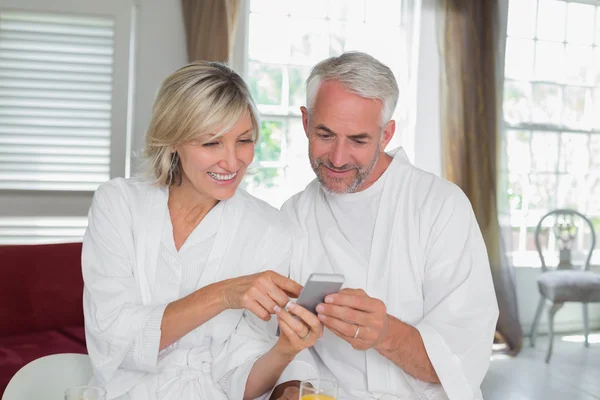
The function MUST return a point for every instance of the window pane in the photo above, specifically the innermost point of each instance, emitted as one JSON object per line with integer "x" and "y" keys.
{"x": 308, "y": 8}
{"x": 338, "y": 33}
{"x": 578, "y": 109}
{"x": 521, "y": 18}
{"x": 516, "y": 184}
{"x": 574, "y": 153}
{"x": 594, "y": 205}
{"x": 263, "y": 44}
{"x": 519, "y": 154}
{"x": 580, "y": 23}
{"x": 571, "y": 192}
{"x": 544, "y": 146}
{"x": 551, "y": 20}
{"x": 517, "y": 102}
{"x": 519, "y": 58}
{"x": 596, "y": 109}
{"x": 309, "y": 43}
{"x": 579, "y": 61}
{"x": 549, "y": 61}
{"x": 542, "y": 188}
{"x": 547, "y": 103}
{"x": 275, "y": 8}
{"x": 383, "y": 12}
{"x": 298, "y": 77}
{"x": 597, "y": 22}
{"x": 271, "y": 140}
{"x": 265, "y": 83}
{"x": 349, "y": 10}
{"x": 595, "y": 155}
{"x": 261, "y": 180}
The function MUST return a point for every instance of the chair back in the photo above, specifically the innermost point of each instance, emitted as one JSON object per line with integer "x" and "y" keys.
{"x": 49, "y": 377}
{"x": 565, "y": 233}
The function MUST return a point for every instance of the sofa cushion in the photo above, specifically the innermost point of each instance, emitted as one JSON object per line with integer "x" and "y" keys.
{"x": 18, "y": 350}
{"x": 41, "y": 287}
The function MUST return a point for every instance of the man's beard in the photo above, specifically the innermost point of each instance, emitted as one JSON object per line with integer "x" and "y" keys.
{"x": 362, "y": 173}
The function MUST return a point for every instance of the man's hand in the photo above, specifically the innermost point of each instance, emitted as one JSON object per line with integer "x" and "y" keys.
{"x": 355, "y": 317}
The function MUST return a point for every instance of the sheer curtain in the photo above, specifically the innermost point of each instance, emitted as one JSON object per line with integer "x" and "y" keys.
{"x": 469, "y": 42}
{"x": 209, "y": 28}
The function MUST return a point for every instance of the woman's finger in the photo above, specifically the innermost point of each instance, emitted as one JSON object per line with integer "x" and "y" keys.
{"x": 296, "y": 324}
{"x": 263, "y": 299}
{"x": 276, "y": 294}
{"x": 307, "y": 317}
{"x": 258, "y": 310}
{"x": 290, "y": 334}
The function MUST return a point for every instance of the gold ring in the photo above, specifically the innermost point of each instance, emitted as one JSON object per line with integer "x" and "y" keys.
{"x": 356, "y": 333}
{"x": 305, "y": 336}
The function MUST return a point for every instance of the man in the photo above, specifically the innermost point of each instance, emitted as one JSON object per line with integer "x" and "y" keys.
{"x": 417, "y": 316}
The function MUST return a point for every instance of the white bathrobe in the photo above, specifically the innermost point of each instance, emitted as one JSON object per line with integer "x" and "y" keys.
{"x": 427, "y": 262}
{"x": 123, "y": 308}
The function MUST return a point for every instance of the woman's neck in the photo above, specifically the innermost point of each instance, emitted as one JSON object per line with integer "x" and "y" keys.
{"x": 187, "y": 205}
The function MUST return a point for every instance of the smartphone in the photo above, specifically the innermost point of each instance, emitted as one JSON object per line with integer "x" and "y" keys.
{"x": 317, "y": 287}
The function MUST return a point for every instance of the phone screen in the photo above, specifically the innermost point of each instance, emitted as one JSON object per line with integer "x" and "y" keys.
{"x": 317, "y": 287}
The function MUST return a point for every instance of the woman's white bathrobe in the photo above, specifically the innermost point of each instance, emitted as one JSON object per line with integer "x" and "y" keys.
{"x": 123, "y": 308}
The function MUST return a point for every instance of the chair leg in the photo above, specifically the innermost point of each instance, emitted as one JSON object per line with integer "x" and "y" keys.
{"x": 536, "y": 320}
{"x": 555, "y": 307}
{"x": 586, "y": 324}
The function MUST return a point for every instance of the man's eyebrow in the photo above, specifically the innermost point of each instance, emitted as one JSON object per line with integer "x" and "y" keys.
{"x": 324, "y": 128}
{"x": 358, "y": 136}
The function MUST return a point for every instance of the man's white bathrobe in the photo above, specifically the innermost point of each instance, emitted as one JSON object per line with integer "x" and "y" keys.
{"x": 130, "y": 277}
{"x": 427, "y": 261}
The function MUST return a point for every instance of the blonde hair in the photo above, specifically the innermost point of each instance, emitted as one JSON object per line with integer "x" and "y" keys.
{"x": 201, "y": 101}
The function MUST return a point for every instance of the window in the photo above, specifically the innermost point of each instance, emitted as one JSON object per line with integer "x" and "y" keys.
{"x": 65, "y": 103}
{"x": 285, "y": 39}
{"x": 55, "y": 92}
{"x": 551, "y": 115}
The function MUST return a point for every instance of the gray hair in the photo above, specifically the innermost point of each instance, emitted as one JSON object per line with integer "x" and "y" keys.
{"x": 201, "y": 101}
{"x": 361, "y": 74}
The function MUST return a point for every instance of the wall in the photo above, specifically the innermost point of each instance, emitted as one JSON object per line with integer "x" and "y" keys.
{"x": 426, "y": 144}
{"x": 160, "y": 50}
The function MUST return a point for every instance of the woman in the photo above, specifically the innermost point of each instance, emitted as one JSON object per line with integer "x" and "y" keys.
{"x": 171, "y": 263}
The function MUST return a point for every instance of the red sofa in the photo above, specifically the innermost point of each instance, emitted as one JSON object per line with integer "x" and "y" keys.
{"x": 41, "y": 311}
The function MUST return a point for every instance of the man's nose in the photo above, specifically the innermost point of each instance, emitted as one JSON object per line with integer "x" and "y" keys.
{"x": 339, "y": 156}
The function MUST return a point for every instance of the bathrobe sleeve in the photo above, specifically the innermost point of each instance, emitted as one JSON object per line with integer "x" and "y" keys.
{"x": 254, "y": 337}
{"x": 459, "y": 300}
{"x": 120, "y": 331}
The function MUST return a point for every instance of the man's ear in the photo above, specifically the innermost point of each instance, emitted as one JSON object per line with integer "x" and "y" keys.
{"x": 304, "y": 112}
{"x": 388, "y": 134}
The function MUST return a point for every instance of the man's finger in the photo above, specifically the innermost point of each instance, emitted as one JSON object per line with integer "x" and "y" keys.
{"x": 341, "y": 326}
{"x": 363, "y": 303}
{"x": 345, "y": 314}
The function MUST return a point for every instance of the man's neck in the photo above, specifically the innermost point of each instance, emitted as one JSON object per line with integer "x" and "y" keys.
{"x": 381, "y": 166}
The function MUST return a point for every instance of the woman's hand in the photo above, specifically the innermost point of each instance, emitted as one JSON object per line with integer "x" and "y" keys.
{"x": 259, "y": 293}
{"x": 298, "y": 333}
